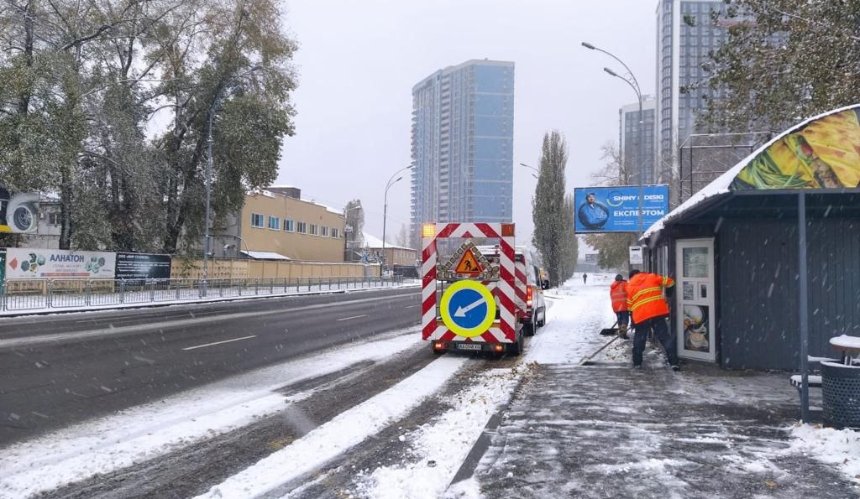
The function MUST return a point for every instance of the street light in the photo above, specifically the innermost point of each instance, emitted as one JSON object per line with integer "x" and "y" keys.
{"x": 537, "y": 172}
{"x": 630, "y": 79}
{"x": 391, "y": 181}
{"x": 238, "y": 247}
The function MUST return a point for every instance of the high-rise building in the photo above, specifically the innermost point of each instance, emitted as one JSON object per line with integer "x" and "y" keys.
{"x": 636, "y": 136}
{"x": 686, "y": 34}
{"x": 462, "y": 144}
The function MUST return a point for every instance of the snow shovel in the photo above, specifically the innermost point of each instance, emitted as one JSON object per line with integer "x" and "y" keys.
{"x": 587, "y": 360}
{"x": 609, "y": 331}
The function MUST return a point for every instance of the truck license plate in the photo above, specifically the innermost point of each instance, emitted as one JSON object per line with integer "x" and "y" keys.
{"x": 468, "y": 346}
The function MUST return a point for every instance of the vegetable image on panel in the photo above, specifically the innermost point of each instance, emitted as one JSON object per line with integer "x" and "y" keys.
{"x": 825, "y": 153}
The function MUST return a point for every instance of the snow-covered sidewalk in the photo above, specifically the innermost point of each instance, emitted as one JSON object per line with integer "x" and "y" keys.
{"x": 610, "y": 431}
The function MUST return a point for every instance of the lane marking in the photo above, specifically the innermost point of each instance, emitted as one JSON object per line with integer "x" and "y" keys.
{"x": 220, "y": 342}
{"x": 156, "y": 326}
{"x": 353, "y": 317}
{"x": 411, "y": 306}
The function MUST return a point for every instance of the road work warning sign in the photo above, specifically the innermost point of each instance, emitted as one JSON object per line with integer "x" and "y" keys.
{"x": 469, "y": 264}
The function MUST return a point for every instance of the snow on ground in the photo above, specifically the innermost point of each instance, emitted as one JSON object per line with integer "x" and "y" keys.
{"x": 340, "y": 434}
{"x": 840, "y": 448}
{"x": 576, "y": 312}
{"x": 150, "y": 430}
{"x": 441, "y": 447}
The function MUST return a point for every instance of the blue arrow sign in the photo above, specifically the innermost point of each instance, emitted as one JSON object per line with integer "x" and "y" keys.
{"x": 468, "y": 308}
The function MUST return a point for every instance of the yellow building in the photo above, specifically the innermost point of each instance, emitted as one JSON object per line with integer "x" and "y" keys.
{"x": 276, "y": 224}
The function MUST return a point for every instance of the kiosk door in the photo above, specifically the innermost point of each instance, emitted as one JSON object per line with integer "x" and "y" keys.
{"x": 695, "y": 299}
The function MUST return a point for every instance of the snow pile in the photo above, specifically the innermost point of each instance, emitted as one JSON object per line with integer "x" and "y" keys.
{"x": 440, "y": 448}
{"x": 840, "y": 448}
{"x": 340, "y": 434}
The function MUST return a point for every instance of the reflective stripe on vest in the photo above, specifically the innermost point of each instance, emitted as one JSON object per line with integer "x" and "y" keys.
{"x": 647, "y": 302}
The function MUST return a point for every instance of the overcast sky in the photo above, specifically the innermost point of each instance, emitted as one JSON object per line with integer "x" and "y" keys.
{"x": 358, "y": 60}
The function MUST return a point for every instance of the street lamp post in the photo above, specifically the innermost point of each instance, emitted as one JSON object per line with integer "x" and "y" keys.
{"x": 536, "y": 171}
{"x": 238, "y": 247}
{"x": 391, "y": 181}
{"x": 634, "y": 84}
{"x": 208, "y": 182}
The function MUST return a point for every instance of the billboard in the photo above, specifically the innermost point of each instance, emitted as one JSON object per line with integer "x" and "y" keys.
{"x": 27, "y": 263}
{"x": 142, "y": 266}
{"x": 19, "y": 213}
{"x": 822, "y": 154}
{"x": 616, "y": 209}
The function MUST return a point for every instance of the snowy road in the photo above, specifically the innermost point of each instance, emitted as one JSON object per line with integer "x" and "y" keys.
{"x": 387, "y": 419}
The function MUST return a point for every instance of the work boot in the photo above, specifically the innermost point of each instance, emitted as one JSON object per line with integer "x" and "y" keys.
{"x": 622, "y": 332}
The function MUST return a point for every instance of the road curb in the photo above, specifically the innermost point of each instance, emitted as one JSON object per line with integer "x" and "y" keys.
{"x": 470, "y": 464}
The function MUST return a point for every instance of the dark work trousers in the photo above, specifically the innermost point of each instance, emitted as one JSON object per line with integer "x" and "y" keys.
{"x": 660, "y": 327}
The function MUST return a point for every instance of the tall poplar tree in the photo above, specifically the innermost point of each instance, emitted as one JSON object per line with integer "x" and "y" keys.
{"x": 548, "y": 207}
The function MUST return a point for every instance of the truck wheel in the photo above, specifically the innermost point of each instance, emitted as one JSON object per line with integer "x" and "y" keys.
{"x": 542, "y": 322}
{"x": 529, "y": 327}
{"x": 516, "y": 347}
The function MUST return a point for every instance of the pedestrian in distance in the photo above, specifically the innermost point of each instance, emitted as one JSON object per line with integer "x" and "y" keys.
{"x": 618, "y": 294}
{"x": 584, "y": 278}
{"x": 650, "y": 314}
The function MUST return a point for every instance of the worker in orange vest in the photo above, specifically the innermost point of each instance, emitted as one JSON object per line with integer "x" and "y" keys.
{"x": 618, "y": 294}
{"x": 650, "y": 313}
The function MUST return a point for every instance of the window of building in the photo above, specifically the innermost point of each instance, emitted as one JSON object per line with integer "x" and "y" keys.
{"x": 301, "y": 227}
{"x": 289, "y": 225}
{"x": 323, "y": 231}
{"x": 256, "y": 220}
{"x": 313, "y": 230}
{"x": 54, "y": 218}
{"x": 335, "y": 233}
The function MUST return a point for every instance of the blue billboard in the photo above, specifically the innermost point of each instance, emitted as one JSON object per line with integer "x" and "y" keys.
{"x": 616, "y": 209}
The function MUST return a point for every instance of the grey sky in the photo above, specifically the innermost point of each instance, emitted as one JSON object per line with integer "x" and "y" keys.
{"x": 358, "y": 61}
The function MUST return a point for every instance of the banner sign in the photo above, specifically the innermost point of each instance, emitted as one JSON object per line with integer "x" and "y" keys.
{"x": 27, "y": 263}
{"x": 139, "y": 266}
{"x": 616, "y": 209}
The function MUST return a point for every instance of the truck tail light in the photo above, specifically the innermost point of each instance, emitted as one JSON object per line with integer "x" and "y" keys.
{"x": 530, "y": 291}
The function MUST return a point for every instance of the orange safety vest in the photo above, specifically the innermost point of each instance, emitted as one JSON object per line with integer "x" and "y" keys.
{"x": 645, "y": 296}
{"x": 618, "y": 293}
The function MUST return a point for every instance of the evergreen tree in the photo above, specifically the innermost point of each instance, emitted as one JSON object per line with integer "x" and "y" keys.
{"x": 548, "y": 207}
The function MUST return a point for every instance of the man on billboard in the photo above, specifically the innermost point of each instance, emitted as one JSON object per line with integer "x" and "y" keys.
{"x": 592, "y": 215}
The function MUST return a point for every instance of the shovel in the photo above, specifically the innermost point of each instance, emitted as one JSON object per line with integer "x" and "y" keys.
{"x": 610, "y": 330}
{"x": 587, "y": 361}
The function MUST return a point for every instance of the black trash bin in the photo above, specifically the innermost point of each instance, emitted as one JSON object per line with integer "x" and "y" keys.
{"x": 840, "y": 390}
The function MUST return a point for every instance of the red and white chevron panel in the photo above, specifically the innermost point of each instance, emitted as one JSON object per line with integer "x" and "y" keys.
{"x": 507, "y": 290}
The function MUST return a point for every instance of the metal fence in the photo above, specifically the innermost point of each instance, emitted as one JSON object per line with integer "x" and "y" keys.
{"x": 36, "y": 294}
